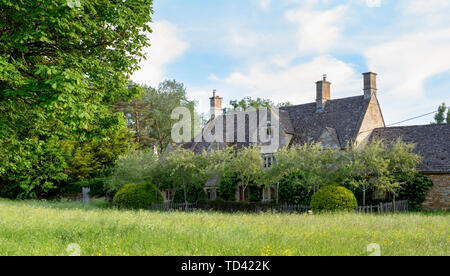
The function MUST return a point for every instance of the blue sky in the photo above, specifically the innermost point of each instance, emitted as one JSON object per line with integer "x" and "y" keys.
{"x": 278, "y": 49}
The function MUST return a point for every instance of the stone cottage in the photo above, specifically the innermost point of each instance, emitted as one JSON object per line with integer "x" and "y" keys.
{"x": 334, "y": 123}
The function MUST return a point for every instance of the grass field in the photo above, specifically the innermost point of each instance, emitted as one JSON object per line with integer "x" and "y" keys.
{"x": 47, "y": 228}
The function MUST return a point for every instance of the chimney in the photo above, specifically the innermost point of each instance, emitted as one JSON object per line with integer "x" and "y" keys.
{"x": 370, "y": 85}
{"x": 216, "y": 105}
{"x": 323, "y": 93}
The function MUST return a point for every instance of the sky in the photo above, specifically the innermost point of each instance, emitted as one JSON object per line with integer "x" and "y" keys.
{"x": 278, "y": 49}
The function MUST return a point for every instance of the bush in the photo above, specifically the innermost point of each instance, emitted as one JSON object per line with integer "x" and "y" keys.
{"x": 414, "y": 190}
{"x": 293, "y": 190}
{"x": 227, "y": 187}
{"x": 333, "y": 198}
{"x": 137, "y": 196}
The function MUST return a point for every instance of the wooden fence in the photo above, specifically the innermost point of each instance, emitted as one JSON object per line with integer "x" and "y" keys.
{"x": 171, "y": 206}
{"x": 398, "y": 206}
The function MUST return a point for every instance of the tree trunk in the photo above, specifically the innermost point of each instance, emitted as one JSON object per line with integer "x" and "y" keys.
{"x": 185, "y": 194}
{"x": 138, "y": 125}
{"x": 278, "y": 187}
{"x": 393, "y": 203}
{"x": 364, "y": 197}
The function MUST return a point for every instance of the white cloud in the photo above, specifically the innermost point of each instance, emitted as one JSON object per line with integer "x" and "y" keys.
{"x": 406, "y": 62}
{"x": 318, "y": 30}
{"x": 404, "y": 65}
{"x": 373, "y": 3}
{"x": 424, "y": 6}
{"x": 264, "y": 4}
{"x": 295, "y": 83}
{"x": 166, "y": 47}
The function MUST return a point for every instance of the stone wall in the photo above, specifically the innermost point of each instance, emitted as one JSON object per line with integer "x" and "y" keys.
{"x": 439, "y": 196}
{"x": 372, "y": 119}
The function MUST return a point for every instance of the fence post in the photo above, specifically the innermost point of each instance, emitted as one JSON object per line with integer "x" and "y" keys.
{"x": 393, "y": 204}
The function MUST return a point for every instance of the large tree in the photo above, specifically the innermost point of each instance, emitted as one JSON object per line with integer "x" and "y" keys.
{"x": 149, "y": 116}
{"x": 62, "y": 64}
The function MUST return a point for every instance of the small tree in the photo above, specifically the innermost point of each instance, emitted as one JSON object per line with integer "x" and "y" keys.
{"x": 186, "y": 169}
{"x": 248, "y": 166}
{"x": 133, "y": 167}
{"x": 376, "y": 164}
{"x": 439, "y": 118}
{"x": 283, "y": 166}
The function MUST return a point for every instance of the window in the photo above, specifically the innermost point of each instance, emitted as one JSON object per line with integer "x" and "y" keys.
{"x": 168, "y": 195}
{"x": 268, "y": 161}
{"x": 269, "y": 194}
{"x": 211, "y": 194}
{"x": 269, "y": 129}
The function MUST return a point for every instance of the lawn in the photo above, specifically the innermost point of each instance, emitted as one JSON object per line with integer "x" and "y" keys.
{"x": 47, "y": 228}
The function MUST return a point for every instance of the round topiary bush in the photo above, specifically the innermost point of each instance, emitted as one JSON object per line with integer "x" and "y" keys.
{"x": 137, "y": 196}
{"x": 333, "y": 198}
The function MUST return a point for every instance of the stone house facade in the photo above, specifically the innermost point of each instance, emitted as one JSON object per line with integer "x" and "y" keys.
{"x": 334, "y": 123}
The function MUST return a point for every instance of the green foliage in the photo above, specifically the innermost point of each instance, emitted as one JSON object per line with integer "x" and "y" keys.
{"x": 309, "y": 166}
{"x": 254, "y": 193}
{"x": 227, "y": 187}
{"x": 333, "y": 198}
{"x": 149, "y": 116}
{"x": 415, "y": 189}
{"x": 32, "y": 168}
{"x": 293, "y": 190}
{"x": 376, "y": 164}
{"x": 132, "y": 167}
{"x": 194, "y": 193}
{"x": 186, "y": 170}
{"x": 137, "y": 196}
{"x": 439, "y": 118}
{"x": 90, "y": 158}
{"x": 61, "y": 68}
{"x": 247, "y": 163}
{"x": 248, "y": 103}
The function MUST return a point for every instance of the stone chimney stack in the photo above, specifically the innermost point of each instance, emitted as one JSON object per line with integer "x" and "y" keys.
{"x": 323, "y": 93}
{"x": 370, "y": 85}
{"x": 216, "y": 105}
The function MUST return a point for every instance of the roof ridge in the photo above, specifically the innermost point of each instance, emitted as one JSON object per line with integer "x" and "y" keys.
{"x": 331, "y": 100}
{"x": 411, "y": 126}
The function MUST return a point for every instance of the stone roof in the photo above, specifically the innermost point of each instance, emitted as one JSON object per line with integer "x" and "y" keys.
{"x": 432, "y": 143}
{"x": 343, "y": 115}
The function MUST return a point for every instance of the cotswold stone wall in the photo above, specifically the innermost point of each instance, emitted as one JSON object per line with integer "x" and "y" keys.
{"x": 439, "y": 196}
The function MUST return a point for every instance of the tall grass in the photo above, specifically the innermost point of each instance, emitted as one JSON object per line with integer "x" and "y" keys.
{"x": 47, "y": 228}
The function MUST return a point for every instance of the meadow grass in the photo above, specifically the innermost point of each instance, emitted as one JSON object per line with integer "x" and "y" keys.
{"x": 47, "y": 228}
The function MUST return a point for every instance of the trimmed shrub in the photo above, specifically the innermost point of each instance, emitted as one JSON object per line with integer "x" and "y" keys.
{"x": 333, "y": 198}
{"x": 137, "y": 196}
